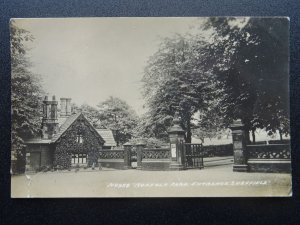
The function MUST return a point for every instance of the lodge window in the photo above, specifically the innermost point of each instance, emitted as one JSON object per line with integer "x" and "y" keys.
{"x": 79, "y": 139}
{"x": 79, "y": 158}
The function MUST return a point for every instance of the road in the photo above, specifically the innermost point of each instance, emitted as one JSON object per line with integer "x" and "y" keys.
{"x": 219, "y": 181}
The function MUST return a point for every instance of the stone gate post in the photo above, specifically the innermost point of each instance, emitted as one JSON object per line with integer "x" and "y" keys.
{"x": 176, "y": 135}
{"x": 139, "y": 154}
{"x": 127, "y": 155}
{"x": 239, "y": 146}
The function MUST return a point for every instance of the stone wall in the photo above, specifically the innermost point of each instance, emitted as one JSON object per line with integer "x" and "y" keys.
{"x": 274, "y": 158}
{"x": 155, "y": 158}
{"x": 112, "y": 159}
{"x": 270, "y": 166}
{"x": 156, "y": 164}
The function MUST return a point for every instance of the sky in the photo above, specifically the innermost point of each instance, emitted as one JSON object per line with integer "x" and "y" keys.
{"x": 90, "y": 59}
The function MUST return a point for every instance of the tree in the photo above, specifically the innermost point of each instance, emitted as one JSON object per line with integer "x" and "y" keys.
{"x": 26, "y": 95}
{"x": 251, "y": 64}
{"x": 145, "y": 127}
{"x": 177, "y": 79}
{"x": 117, "y": 115}
{"x": 209, "y": 121}
{"x": 92, "y": 114}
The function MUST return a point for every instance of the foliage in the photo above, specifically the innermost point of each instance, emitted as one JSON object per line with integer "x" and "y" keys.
{"x": 26, "y": 93}
{"x": 149, "y": 142}
{"x": 91, "y": 113}
{"x": 209, "y": 122}
{"x": 114, "y": 114}
{"x": 117, "y": 115}
{"x": 68, "y": 144}
{"x": 239, "y": 70}
{"x": 176, "y": 79}
{"x": 251, "y": 64}
{"x": 147, "y": 128}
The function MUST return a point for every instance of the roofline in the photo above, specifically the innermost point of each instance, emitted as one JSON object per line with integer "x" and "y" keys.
{"x": 79, "y": 114}
{"x": 103, "y": 141}
{"x": 66, "y": 129}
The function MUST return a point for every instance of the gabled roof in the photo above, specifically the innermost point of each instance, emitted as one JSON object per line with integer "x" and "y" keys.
{"x": 64, "y": 123}
{"x": 68, "y": 122}
{"x": 64, "y": 126}
{"x": 108, "y": 137}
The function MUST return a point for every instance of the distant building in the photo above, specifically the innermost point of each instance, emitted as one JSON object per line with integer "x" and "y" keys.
{"x": 67, "y": 139}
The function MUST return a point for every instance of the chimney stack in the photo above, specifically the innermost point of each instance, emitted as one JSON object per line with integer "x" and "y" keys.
{"x": 63, "y": 104}
{"x": 53, "y": 108}
{"x": 68, "y": 107}
{"x": 65, "y": 107}
{"x": 46, "y": 109}
{"x": 49, "y": 121}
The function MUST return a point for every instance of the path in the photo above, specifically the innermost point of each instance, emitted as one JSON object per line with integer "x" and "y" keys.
{"x": 211, "y": 181}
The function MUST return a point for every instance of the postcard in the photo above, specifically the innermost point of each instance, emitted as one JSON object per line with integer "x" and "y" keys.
{"x": 150, "y": 107}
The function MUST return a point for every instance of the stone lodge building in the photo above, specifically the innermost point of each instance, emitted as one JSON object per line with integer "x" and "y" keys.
{"x": 67, "y": 139}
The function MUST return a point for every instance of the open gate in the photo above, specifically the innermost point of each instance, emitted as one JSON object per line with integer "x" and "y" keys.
{"x": 192, "y": 155}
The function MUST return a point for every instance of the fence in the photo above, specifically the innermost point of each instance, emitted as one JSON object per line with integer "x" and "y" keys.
{"x": 258, "y": 158}
{"x": 155, "y": 158}
{"x": 160, "y": 158}
{"x": 146, "y": 158}
{"x": 269, "y": 158}
{"x": 112, "y": 158}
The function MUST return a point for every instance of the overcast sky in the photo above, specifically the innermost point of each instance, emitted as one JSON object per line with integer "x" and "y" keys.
{"x": 90, "y": 59}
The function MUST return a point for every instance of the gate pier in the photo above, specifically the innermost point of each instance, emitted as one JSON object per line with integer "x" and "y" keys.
{"x": 139, "y": 154}
{"x": 176, "y": 135}
{"x": 239, "y": 146}
{"x": 127, "y": 156}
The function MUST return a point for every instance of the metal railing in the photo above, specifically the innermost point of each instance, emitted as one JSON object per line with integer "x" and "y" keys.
{"x": 156, "y": 153}
{"x": 111, "y": 154}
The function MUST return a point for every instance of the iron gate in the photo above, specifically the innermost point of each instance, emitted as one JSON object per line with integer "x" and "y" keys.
{"x": 192, "y": 155}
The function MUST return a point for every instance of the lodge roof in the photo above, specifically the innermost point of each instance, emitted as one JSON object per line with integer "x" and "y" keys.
{"x": 64, "y": 123}
{"x": 108, "y": 137}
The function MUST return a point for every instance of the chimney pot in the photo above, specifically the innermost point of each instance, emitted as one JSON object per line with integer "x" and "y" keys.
{"x": 68, "y": 106}
{"x": 65, "y": 107}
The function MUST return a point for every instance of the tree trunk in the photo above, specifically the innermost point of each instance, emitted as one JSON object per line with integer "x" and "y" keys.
{"x": 247, "y": 136}
{"x": 188, "y": 132}
{"x": 280, "y": 134}
{"x": 188, "y": 139}
{"x": 202, "y": 139}
{"x": 253, "y": 136}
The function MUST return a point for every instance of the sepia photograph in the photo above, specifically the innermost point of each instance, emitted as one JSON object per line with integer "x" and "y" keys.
{"x": 150, "y": 107}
